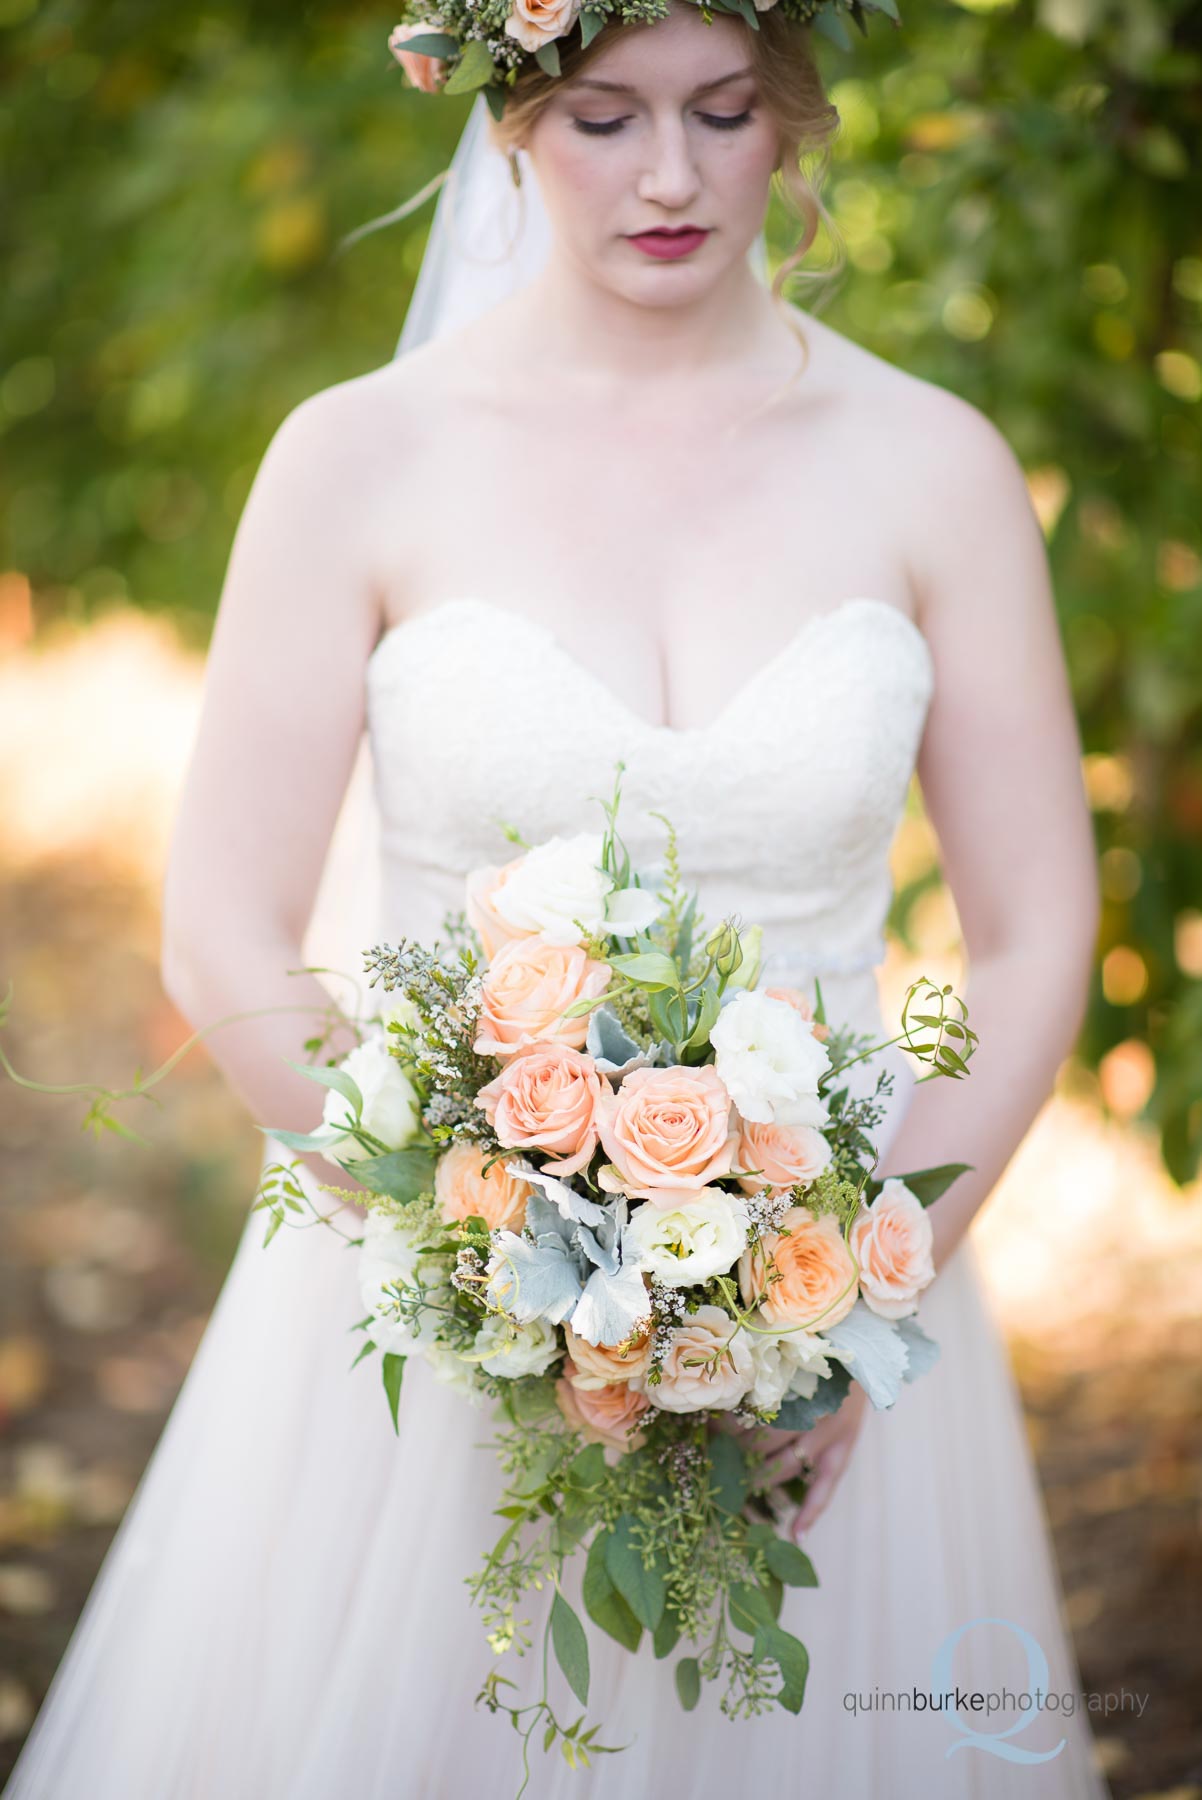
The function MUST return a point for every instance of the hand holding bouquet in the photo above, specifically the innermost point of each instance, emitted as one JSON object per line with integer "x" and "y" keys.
{"x": 624, "y": 1194}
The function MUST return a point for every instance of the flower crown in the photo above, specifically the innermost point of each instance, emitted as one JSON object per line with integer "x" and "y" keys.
{"x": 463, "y": 46}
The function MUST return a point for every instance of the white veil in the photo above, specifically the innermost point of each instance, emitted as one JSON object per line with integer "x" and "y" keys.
{"x": 488, "y": 239}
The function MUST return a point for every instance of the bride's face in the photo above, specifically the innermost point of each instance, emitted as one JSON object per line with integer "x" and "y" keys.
{"x": 664, "y": 129}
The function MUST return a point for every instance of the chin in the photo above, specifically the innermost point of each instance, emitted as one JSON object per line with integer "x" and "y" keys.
{"x": 666, "y": 283}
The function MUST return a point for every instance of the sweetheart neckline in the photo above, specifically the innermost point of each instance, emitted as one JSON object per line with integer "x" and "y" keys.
{"x": 522, "y": 621}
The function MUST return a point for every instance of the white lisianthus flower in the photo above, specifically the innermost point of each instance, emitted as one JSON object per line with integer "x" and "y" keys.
{"x": 685, "y": 1244}
{"x": 531, "y": 1352}
{"x": 391, "y": 1106}
{"x": 631, "y": 909}
{"x": 786, "y": 1366}
{"x": 389, "y": 1255}
{"x": 559, "y": 892}
{"x": 769, "y": 1060}
{"x": 450, "y": 1369}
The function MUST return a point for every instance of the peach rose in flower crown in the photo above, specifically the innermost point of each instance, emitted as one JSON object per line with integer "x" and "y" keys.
{"x": 525, "y": 989}
{"x": 603, "y": 1414}
{"x": 425, "y": 72}
{"x": 481, "y": 890}
{"x": 795, "y": 996}
{"x": 817, "y": 1277}
{"x": 892, "y": 1240}
{"x": 667, "y": 1133}
{"x": 601, "y": 1364}
{"x": 461, "y": 1188}
{"x": 545, "y": 1098}
{"x": 784, "y": 1155}
{"x": 535, "y": 22}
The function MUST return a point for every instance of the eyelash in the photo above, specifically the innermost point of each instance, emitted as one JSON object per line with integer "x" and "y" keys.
{"x": 607, "y": 127}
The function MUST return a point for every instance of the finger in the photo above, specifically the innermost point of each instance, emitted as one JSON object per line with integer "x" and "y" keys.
{"x": 825, "y": 1478}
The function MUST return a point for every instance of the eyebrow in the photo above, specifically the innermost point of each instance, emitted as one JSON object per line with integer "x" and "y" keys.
{"x": 619, "y": 87}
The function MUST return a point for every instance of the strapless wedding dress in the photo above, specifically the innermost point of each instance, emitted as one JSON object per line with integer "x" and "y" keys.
{"x": 282, "y": 1614}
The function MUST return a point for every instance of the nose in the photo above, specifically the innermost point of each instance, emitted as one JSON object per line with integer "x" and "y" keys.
{"x": 670, "y": 175}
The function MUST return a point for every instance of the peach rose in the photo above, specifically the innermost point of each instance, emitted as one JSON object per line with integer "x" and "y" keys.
{"x": 795, "y": 996}
{"x": 599, "y": 1364}
{"x": 602, "y": 1414}
{"x": 817, "y": 1285}
{"x": 545, "y": 1098}
{"x": 480, "y": 890}
{"x": 688, "y": 1382}
{"x": 667, "y": 1133}
{"x": 892, "y": 1241}
{"x": 425, "y": 72}
{"x": 526, "y": 987}
{"x": 784, "y": 1154}
{"x": 462, "y": 1188}
{"x": 535, "y": 22}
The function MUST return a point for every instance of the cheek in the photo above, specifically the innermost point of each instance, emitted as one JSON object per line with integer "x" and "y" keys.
{"x": 581, "y": 180}
{"x": 744, "y": 170}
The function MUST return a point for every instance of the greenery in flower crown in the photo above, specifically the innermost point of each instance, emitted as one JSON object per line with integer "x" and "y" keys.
{"x": 464, "y": 46}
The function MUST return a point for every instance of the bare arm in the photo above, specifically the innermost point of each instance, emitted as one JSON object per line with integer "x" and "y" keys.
{"x": 279, "y": 730}
{"x": 1000, "y": 773}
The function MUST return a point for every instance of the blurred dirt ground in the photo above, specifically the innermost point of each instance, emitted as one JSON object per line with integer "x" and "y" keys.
{"x": 111, "y": 1254}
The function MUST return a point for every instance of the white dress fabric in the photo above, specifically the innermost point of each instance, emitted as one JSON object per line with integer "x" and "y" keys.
{"x": 283, "y": 1613}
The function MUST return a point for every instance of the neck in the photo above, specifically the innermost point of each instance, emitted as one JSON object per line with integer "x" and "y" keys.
{"x": 582, "y": 330}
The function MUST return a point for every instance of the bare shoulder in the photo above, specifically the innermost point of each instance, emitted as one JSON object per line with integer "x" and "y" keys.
{"x": 952, "y": 485}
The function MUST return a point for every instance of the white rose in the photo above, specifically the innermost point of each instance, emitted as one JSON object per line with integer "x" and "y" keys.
{"x": 391, "y": 1107}
{"x": 770, "y": 1060}
{"x": 559, "y": 882}
{"x": 389, "y": 1254}
{"x": 785, "y": 1366}
{"x": 530, "y": 1352}
{"x": 689, "y": 1243}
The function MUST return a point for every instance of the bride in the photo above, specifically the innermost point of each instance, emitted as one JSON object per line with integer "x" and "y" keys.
{"x": 820, "y": 573}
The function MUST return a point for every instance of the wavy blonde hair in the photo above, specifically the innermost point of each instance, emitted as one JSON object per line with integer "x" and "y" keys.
{"x": 781, "y": 53}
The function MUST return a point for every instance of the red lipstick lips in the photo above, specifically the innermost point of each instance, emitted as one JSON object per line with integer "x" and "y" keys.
{"x": 666, "y": 245}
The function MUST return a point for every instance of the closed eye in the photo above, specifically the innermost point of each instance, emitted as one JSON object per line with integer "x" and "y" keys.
{"x": 718, "y": 121}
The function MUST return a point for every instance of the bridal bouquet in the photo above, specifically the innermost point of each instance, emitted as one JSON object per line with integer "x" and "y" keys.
{"x": 626, "y": 1195}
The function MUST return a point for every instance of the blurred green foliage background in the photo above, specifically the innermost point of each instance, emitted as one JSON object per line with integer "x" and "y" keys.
{"x": 1016, "y": 186}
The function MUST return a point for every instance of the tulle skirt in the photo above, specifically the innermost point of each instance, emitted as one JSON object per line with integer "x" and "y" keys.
{"x": 283, "y": 1613}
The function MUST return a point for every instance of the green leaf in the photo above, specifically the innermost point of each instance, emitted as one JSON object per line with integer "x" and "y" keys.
{"x": 707, "y": 1016}
{"x": 688, "y": 1682}
{"x": 728, "y": 1469}
{"x": 602, "y": 1601}
{"x": 400, "y": 1174}
{"x": 791, "y": 1657}
{"x": 432, "y": 43}
{"x": 790, "y": 1563}
{"x": 571, "y": 1646}
{"x": 648, "y": 968}
{"x": 590, "y": 25}
{"x": 494, "y": 93}
{"x": 474, "y": 68}
{"x": 338, "y": 1079}
{"x": 925, "y": 1184}
{"x": 547, "y": 58}
{"x": 394, "y": 1368}
{"x": 832, "y": 27}
{"x": 640, "y": 1583}
{"x": 748, "y": 1608}
{"x": 667, "y": 1635}
{"x": 368, "y": 1349}
{"x": 297, "y": 1140}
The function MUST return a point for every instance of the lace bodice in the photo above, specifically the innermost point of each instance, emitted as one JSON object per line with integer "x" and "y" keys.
{"x": 785, "y": 804}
